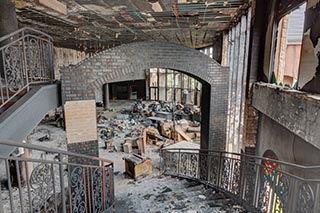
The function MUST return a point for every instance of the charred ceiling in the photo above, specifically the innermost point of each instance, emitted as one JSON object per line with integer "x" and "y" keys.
{"x": 93, "y": 25}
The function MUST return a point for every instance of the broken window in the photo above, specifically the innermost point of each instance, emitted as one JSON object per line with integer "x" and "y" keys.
{"x": 173, "y": 86}
{"x": 287, "y": 47}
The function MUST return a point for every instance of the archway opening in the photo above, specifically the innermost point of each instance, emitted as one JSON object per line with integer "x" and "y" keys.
{"x": 170, "y": 100}
{"x": 128, "y": 62}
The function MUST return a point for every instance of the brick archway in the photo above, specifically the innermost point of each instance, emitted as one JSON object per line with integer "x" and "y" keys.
{"x": 79, "y": 82}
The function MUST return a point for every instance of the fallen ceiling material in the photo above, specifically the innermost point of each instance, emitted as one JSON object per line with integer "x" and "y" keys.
{"x": 99, "y": 24}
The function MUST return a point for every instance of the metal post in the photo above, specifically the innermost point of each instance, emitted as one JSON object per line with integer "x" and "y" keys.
{"x": 1, "y": 203}
{"x": 28, "y": 187}
{"x": 5, "y": 74}
{"x": 256, "y": 194}
{"x": 9, "y": 184}
{"x": 63, "y": 196}
{"x": 19, "y": 184}
{"x": 242, "y": 176}
{"x": 220, "y": 169}
{"x": 106, "y": 96}
{"x": 1, "y": 91}
{"x": 50, "y": 61}
{"x": 316, "y": 207}
{"x": 179, "y": 164}
{"x": 25, "y": 67}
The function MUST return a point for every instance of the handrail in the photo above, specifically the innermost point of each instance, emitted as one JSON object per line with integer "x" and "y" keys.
{"x": 246, "y": 155}
{"x": 50, "y": 150}
{"x": 261, "y": 184}
{"x": 61, "y": 181}
{"x": 26, "y": 57}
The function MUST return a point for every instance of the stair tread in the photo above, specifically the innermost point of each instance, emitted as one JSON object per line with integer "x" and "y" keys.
{"x": 173, "y": 195}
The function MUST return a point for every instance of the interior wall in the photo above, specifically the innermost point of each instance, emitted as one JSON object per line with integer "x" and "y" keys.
{"x": 65, "y": 57}
{"x": 8, "y": 20}
{"x": 286, "y": 145}
{"x": 271, "y": 135}
{"x": 80, "y": 82}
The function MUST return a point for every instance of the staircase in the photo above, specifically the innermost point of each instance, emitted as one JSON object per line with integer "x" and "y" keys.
{"x": 258, "y": 184}
{"x": 55, "y": 182}
{"x": 27, "y": 91}
{"x": 169, "y": 194}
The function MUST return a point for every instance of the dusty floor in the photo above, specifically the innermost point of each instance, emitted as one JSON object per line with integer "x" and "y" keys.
{"x": 162, "y": 194}
{"x": 154, "y": 193}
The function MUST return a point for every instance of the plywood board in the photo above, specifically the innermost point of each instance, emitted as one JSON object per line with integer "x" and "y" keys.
{"x": 81, "y": 121}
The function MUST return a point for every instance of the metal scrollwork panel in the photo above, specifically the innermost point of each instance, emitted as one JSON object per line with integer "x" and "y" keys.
{"x": 13, "y": 67}
{"x": 46, "y": 57}
{"x": 77, "y": 190}
{"x": 33, "y": 57}
{"x": 214, "y": 170}
{"x": 194, "y": 164}
{"x": 282, "y": 192}
{"x": 235, "y": 184}
{"x": 41, "y": 184}
{"x": 249, "y": 181}
{"x": 226, "y": 173}
{"x": 166, "y": 161}
{"x": 97, "y": 180}
{"x": 171, "y": 163}
{"x": 305, "y": 198}
{"x": 184, "y": 164}
{"x": 109, "y": 187}
{"x": 203, "y": 159}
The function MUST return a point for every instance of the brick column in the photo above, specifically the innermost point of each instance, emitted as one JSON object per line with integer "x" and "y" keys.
{"x": 106, "y": 96}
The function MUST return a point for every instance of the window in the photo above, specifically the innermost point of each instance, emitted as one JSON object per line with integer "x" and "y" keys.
{"x": 171, "y": 85}
{"x": 287, "y": 51}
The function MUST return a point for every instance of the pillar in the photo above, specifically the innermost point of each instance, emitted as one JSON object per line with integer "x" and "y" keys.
{"x": 106, "y": 96}
{"x": 8, "y": 22}
{"x": 26, "y": 165}
{"x": 8, "y": 19}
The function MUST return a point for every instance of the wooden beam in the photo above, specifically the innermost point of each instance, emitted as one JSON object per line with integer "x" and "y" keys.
{"x": 54, "y": 5}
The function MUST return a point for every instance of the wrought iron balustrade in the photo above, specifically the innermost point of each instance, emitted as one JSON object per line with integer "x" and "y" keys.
{"x": 50, "y": 180}
{"x": 26, "y": 57}
{"x": 260, "y": 184}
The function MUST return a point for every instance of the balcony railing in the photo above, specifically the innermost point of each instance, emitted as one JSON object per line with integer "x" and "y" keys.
{"x": 50, "y": 180}
{"x": 26, "y": 57}
{"x": 260, "y": 184}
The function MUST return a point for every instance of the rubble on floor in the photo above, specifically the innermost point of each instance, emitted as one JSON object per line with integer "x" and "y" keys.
{"x": 153, "y": 193}
{"x": 131, "y": 128}
{"x": 167, "y": 194}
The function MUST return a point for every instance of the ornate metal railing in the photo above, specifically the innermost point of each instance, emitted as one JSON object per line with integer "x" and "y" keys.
{"x": 260, "y": 184}
{"x": 26, "y": 57}
{"x": 50, "y": 180}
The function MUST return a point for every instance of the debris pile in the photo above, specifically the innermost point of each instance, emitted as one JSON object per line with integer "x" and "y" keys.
{"x": 158, "y": 123}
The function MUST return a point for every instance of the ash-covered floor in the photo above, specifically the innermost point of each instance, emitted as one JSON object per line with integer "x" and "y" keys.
{"x": 153, "y": 193}
{"x": 162, "y": 194}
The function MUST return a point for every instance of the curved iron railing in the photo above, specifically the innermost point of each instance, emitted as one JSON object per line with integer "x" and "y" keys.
{"x": 42, "y": 179}
{"x": 260, "y": 184}
{"x": 26, "y": 57}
